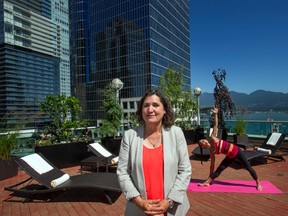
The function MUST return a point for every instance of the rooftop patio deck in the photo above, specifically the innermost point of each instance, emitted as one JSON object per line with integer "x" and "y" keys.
{"x": 84, "y": 202}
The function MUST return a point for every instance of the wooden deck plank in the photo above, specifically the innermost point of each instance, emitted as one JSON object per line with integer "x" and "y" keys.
{"x": 83, "y": 203}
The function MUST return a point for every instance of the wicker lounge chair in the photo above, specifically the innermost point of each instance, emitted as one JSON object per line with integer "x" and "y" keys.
{"x": 268, "y": 149}
{"x": 46, "y": 178}
{"x": 102, "y": 158}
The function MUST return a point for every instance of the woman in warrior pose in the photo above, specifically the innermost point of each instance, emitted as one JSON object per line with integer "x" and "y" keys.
{"x": 232, "y": 152}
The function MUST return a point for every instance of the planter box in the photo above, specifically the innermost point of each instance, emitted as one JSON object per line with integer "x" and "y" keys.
{"x": 111, "y": 144}
{"x": 9, "y": 168}
{"x": 242, "y": 141}
{"x": 190, "y": 136}
{"x": 66, "y": 154}
{"x": 238, "y": 139}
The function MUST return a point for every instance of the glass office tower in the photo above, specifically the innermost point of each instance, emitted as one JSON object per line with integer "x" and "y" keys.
{"x": 29, "y": 60}
{"x": 60, "y": 16}
{"x": 133, "y": 40}
{"x": 79, "y": 54}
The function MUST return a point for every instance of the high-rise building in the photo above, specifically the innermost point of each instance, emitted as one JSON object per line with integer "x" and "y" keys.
{"x": 34, "y": 57}
{"x": 60, "y": 16}
{"x": 133, "y": 40}
{"x": 79, "y": 46}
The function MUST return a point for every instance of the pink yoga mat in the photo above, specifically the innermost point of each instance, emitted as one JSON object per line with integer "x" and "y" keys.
{"x": 233, "y": 186}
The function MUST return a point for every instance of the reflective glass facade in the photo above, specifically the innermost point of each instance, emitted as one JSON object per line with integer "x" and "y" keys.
{"x": 79, "y": 58}
{"x": 29, "y": 60}
{"x": 38, "y": 6}
{"x": 60, "y": 15}
{"x": 22, "y": 87}
{"x": 133, "y": 40}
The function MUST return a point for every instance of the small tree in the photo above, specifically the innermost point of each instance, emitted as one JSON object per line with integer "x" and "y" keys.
{"x": 222, "y": 98}
{"x": 113, "y": 113}
{"x": 64, "y": 112}
{"x": 171, "y": 85}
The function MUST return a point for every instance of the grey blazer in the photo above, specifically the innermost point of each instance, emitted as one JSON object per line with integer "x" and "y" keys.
{"x": 177, "y": 169}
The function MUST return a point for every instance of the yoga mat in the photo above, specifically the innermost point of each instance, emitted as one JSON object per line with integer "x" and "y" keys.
{"x": 233, "y": 186}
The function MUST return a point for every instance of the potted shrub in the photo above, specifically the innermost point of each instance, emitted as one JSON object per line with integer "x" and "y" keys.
{"x": 64, "y": 113}
{"x": 58, "y": 142}
{"x": 240, "y": 127}
{"x": 8, "y": 166}
{"x": 108, "y": 132}
{"x": 240, "y": 135}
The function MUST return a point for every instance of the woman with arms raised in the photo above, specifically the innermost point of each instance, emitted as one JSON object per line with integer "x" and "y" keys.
{"x": 231, "y": 151}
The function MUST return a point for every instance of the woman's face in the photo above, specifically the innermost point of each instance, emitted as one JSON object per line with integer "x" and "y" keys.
{"x": 204, "y": 143}
{"x": 152, "y": 109}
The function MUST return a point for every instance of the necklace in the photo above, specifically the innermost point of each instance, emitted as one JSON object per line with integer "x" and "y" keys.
{"x": 154, "y": 144}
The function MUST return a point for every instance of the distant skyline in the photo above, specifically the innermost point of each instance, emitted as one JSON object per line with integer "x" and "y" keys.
{"x": 247, "y": 38}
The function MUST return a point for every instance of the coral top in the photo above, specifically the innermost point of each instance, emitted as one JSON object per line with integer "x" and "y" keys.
{"x": 153, "y": 167}
{"x": 224, "y": 147}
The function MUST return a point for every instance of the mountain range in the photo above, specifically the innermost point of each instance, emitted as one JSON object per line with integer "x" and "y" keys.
{"x": 259, "y": 100}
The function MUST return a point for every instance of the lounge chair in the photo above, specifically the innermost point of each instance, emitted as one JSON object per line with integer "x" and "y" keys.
{"x": 102, "y": 158}
{"x": 46, "y": 178}
{"x": 206, "y": 151}
{"x": 268, "y": 149}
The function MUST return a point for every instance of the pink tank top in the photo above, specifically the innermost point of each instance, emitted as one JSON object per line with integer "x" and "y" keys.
{"x": 224, "y": 147}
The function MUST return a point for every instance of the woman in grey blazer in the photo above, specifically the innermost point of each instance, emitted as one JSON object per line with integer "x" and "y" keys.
{"x": 154, "y": 169}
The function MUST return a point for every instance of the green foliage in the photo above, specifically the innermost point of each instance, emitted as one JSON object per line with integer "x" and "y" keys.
{"x": 8, "y": 138}
{"x": 113, "y": 113}
{"x": 185, "y": 107}
{"x": 64, "y": 112}
{"x": 132, "y": 120}
{"x": 222, "y": 98}
{"x": 8, "y": 142}
{"x": 240, "y": 126}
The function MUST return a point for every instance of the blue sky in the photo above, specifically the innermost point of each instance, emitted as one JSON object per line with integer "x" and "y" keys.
{"x": 247, "y": 38}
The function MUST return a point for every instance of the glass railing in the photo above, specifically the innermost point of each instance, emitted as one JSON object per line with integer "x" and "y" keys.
{"x": 255, "y": 127}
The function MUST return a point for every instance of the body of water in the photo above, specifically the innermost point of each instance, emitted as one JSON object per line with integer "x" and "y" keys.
{"x": 258, "y": 123}
{"x": 264, "y": 116}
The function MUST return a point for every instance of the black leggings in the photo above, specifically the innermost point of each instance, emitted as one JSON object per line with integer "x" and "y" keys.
{"x": 227, "y": 161}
